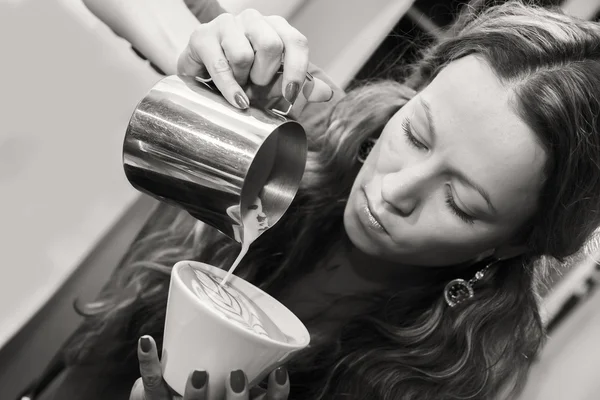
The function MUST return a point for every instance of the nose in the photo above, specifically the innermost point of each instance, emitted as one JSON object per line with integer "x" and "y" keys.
{"x": 405, "y": 189}
{"x": 261, "y": 216}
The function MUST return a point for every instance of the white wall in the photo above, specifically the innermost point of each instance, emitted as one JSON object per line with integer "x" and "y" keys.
{"x": 266, "y": 7}
{"x": 344, "y": 33}
{"x": 68, "y": 87}
{"x": 585, "y": 9}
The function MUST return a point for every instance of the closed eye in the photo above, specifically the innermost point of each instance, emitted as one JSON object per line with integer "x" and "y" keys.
{"x": 456, "y": 210}
{"x": 410, "y": 137}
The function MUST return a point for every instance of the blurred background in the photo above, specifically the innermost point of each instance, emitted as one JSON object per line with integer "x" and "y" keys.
{"x": 68, "y": 87}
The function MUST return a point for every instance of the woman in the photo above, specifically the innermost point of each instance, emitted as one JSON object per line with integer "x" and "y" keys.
{"x": 485, "y": 160}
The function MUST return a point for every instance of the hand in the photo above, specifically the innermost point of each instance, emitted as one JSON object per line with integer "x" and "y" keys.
{"x": 249, "y": 48}
{"x": 151, "y": 386}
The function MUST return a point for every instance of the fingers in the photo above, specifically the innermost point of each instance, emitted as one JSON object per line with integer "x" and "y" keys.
{"x": 237, "y": 386}
{"x": 205, "y": 45}
{"x": 237, "y": 49}
{"x": 189, "y": 62}
{"x": 232, "y": 49}
{"x": 295, "y": 63}
{"x": 150, "y": 370}
{"x": 267, "y": 44}
{"x": 195, "y": 388}
{"x": 279, "y": 385}
{"x": 317, "y": 91}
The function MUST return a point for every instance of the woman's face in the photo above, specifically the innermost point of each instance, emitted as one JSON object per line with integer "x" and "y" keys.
{"x": 454, "y": 174}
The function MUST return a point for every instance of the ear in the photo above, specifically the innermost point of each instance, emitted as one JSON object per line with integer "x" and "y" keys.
{"x": 509, "y": 251}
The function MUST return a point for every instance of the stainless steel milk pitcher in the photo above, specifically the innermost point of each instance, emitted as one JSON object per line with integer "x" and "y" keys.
{"x": 186, "y": 145}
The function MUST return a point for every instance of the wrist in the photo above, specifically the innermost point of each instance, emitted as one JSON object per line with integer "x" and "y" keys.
{"x": 159, "y": 29}
{"x": 175, "y": 30}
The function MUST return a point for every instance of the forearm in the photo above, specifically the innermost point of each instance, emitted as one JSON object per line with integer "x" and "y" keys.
{"x": 159, "y": 29}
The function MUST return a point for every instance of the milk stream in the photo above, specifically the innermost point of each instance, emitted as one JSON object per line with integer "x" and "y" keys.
{"x": 243, "y": 251}
{"x": 251, "y": 232}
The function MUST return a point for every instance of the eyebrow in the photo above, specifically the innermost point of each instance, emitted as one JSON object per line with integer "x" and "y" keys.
{"x": 429, "y": 117}
{"x": 460, "y": 175}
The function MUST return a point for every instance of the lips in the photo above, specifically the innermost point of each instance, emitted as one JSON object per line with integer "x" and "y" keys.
{"x": 374, "y": 219}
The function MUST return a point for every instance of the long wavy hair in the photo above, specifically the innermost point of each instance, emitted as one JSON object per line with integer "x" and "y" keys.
{"x": 407, "y": 344}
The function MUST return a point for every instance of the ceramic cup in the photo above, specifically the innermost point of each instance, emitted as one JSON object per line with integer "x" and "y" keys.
{"x": 222, "y": 329}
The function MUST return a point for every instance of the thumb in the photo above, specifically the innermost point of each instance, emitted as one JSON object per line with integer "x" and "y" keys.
{"x": 137, "y": 391}
{"x": 317, "y": 91}
{"x": 189, "y": 64}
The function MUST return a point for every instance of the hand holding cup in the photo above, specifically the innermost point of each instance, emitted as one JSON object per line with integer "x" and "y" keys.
{"x": 219, "y": 329}
{"x": 151, "y": 386}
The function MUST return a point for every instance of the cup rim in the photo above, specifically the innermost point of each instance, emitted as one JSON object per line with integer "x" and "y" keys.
{"x": 304, "y": 335}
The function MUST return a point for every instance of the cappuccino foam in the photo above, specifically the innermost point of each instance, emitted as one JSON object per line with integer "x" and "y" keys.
{"x": 233, "y": 305}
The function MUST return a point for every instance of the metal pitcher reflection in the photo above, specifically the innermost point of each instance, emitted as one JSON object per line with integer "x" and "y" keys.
{"x": 186, "y": 145}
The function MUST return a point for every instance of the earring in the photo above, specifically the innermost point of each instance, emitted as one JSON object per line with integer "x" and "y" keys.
{"x": 364, "y": 149}
{"x": 459, "y": 290}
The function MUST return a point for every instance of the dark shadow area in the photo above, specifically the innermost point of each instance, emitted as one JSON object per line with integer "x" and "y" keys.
{"x": 26, "y": 356}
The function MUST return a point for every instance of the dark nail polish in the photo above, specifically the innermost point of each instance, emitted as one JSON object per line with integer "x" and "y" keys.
{"x": 330, "y": 97}
{"x": 199, "y": 379}
{"x": 139, "y": 53}
{"x": 237, "y": 380}
{"x": 281, "y": 376}
{"x": 145, "y": 344}
{"x": 157, "y": 70}
{"x": 291, "y": 91}
{"x": 241, "y": 101}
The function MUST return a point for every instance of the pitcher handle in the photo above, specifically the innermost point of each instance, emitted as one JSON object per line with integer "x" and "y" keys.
{"x": 208, "y": 82}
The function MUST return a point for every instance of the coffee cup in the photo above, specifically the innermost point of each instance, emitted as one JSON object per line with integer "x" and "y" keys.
{"x": 220, "y": 329}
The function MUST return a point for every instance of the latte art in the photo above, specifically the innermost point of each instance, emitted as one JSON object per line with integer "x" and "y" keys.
{"x": 233, "y": 305}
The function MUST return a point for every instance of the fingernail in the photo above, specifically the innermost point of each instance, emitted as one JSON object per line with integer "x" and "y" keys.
{"x": 199, "y": 379}
{"x": 157, "y": 69}
{"x": 330, "y": 97}
{"x": 241, "y": 101}
{"x": 281, "y": 376}
{"x": 291, "y": 91}
{"x": 139, "y": 53}
{"x": 145, "y": 344}
{"x": 204, "y": 74}
{"x": 237, "y": 380}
